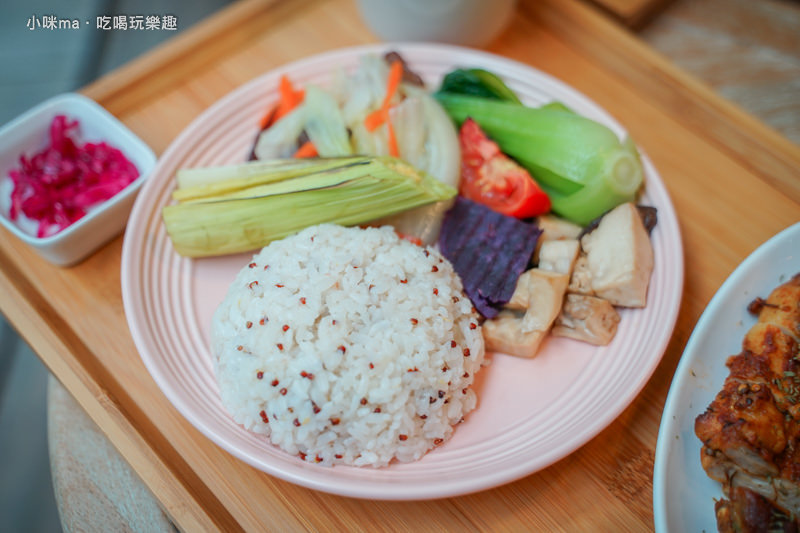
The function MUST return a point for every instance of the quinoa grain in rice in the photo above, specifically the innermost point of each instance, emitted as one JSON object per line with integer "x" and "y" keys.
{"x": 348, "y": 345}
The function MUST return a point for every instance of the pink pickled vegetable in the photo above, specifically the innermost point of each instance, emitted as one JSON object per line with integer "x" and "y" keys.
{"x": 58, "y": 185}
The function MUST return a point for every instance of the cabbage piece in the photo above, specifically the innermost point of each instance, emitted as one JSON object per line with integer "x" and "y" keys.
{"x": 426, "y": 137}
{"x": 325, "y": 124}
{"x": 428, "y": 140}
{"x": 280, "y": 139}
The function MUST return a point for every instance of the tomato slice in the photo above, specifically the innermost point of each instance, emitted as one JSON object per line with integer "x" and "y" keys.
{"x": 490, "y": 177}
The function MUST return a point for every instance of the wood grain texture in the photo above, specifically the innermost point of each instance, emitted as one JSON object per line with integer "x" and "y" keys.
{"x": 748, "y": 52}
{"x": 719, "y": 164}
{"x": 90, "y": 382}
{"x": 93, "y": 484}
{"x": 632, "y": 13}
{"x": 692, "y": 103}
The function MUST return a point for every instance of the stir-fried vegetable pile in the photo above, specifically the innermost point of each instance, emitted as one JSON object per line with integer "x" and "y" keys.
{"x": 519, "y": 161}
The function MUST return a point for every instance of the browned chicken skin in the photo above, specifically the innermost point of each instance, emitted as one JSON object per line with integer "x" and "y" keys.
{"x": 751, "y": 431}
{"x": 748, "y": 511}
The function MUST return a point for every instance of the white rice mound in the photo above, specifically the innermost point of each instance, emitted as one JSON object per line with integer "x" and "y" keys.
{"x": 348, "y": 345}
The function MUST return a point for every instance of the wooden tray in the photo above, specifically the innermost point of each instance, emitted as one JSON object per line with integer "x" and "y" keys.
{"x": 633, "y": 13}
{"x": 734, "y": 183}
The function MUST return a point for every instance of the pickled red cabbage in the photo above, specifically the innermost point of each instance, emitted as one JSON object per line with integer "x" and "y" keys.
{"x": 58, "y": 185}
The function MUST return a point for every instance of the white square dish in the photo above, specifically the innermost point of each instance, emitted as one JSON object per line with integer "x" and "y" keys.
{"x": 28, "y": 134}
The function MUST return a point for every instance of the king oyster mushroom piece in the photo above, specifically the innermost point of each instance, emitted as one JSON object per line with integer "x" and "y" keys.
{"x": 580, "y": 282}
{"x": 526, "y": 319}
{"x": 559, "y": 256}
{"x": 554, "y": 229}
{"x": 588, "y": 319}
{"x": 619, "y": 257}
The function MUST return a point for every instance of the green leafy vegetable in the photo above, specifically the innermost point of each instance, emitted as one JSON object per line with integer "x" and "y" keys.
{"x": 477, "y": 82}
{"x": 556, "y": 106}
{"x": 582, "y": 165}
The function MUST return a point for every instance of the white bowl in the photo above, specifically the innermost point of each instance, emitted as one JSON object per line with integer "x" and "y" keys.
{"x": 28, "y": 134}
{"x": 462, "y": 22}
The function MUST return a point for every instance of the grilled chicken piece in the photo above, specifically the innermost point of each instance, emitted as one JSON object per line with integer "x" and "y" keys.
{"x": 751, "y": 431}
{"x": 782, "y": 308}
{"x": 748, "y": 512}
{"x": 520, "y": 327}
{"x": 587, "y": 319}
{"x": 744, "y": 429}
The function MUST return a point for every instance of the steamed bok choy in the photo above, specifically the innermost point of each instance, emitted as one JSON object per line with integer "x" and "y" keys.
{"x": 477, "y": 82}
{"x": 237, "y": 208}
{"x": 581, "y": 164}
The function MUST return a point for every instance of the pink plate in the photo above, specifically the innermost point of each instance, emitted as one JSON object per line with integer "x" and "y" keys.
{"x": 530, "y": 414}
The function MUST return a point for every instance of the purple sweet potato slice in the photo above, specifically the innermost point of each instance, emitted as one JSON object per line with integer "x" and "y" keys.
{"x": 488, "y": 251}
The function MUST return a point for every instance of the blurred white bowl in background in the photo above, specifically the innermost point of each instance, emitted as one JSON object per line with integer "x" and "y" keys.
{"x": 462, "y": 22}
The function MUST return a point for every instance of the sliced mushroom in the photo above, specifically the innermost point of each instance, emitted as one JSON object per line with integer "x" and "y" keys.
{"x": 519, "y": 329}
{"x": 554, "y": 229}
{"x": 559, "y": 256}
{"x": 580, "y": 282}
{"x": 587, "y": 319}
{"x": 620, "y": 257}
{"x": 504, "y": 334}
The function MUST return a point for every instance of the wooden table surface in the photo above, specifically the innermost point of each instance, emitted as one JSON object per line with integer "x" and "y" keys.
{"x": 734, "y": 183}
{"x": 632, "y": 13}
{"x": 747, "y": 52}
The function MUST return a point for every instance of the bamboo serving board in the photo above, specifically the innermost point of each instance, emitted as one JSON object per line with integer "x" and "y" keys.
{"x": 733, "y": 181}
{"x": 632, "y": 13}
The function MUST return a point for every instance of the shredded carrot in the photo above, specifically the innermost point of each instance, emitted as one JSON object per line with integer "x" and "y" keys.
{"x": 393, "y": 150}
{"x": 306, "y": 150}
{"x": 409, "y": 238}
{"x": 375, "y": 119}
{"x": 289, "y": 99}
{"x": 381, "y": 115}
{"x": 393, "y": 82}
{"x": 268, "y": 118}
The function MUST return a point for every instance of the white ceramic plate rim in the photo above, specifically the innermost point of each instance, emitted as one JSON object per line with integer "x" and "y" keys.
{"x": 383, "y": 486}
{"x": 769, "y": 265}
